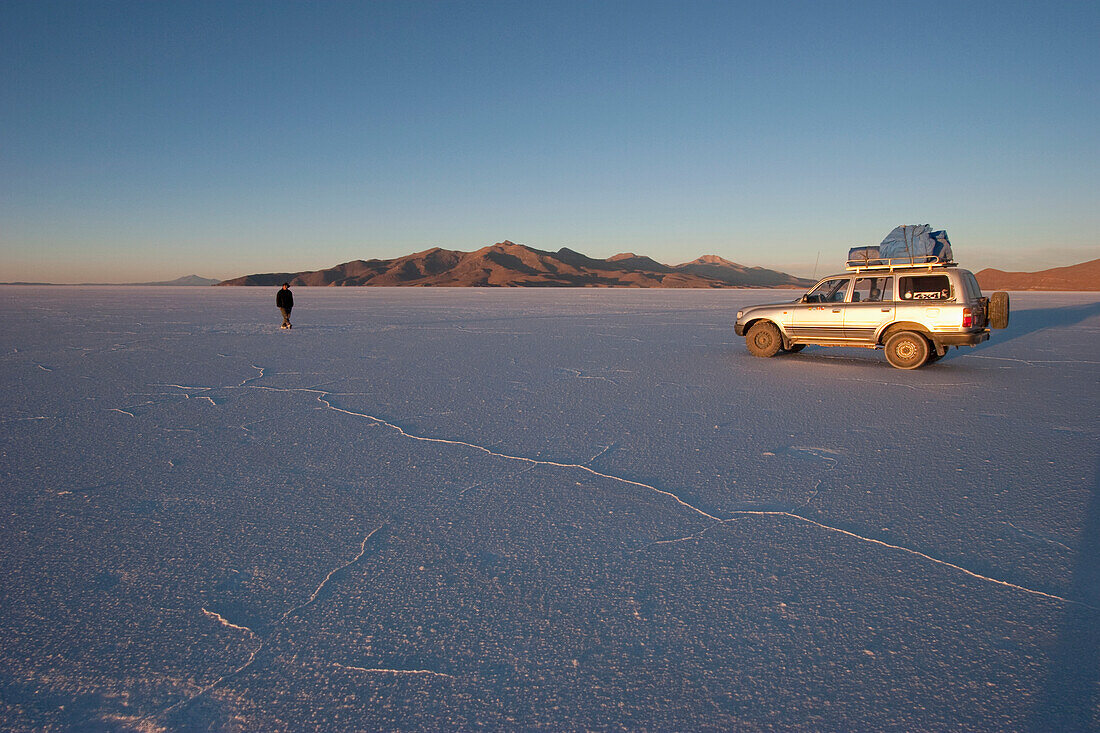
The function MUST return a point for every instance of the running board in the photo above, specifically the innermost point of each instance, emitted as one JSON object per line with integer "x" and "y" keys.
{"x": 859, "y": 344}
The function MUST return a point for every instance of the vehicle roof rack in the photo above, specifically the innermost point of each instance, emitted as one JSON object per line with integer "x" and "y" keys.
{"x": 929, "y": 262}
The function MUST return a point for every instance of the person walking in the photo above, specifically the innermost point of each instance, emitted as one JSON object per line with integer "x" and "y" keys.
{"x": 284, "y": 299}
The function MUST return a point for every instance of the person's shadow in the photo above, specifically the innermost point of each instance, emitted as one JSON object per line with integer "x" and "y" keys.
{"x": 1071, "y": 693}
{"x": 1024, "y": 322}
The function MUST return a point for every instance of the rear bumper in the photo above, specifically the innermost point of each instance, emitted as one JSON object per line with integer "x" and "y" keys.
{"x": 960, "y": 339}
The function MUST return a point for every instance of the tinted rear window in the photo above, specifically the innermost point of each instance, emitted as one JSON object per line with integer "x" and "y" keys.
{"x": 973, "y": 290}
{"x": 924, "y": 287}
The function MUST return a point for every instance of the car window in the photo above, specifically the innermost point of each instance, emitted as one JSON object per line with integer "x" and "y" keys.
{"x": 973, "y": 289}
{"x": 829, "y": 291}
{"x": 925, "y": 287}
{"x": 873, "y": 289}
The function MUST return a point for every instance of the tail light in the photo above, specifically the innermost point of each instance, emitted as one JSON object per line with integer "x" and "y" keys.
{"x": 968, "y": 318}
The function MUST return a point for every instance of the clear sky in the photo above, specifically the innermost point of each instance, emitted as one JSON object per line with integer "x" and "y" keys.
{"x": 149, "y": 140}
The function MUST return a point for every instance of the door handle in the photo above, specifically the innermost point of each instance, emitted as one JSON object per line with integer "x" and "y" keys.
{"x": 836, "y": 310}
{"x": 887, "y": 310}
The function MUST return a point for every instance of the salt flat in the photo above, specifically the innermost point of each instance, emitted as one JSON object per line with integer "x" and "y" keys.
{"x": 537, "y": 508}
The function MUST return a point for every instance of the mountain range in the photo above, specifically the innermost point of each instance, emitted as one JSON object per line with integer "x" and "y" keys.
{"x": 514, "y": 265}
{"x": 1085, "y": 276}
{"x": 507, "y": 264}
{"x": 186, "y": 280}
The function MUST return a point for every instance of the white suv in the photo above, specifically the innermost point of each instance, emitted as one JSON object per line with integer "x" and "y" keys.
{"x": 916, "y": 312}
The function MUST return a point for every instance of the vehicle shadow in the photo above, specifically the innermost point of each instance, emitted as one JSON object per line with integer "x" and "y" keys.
{"x": 1024, "y": 322}
{"x": 1069, "y": 697}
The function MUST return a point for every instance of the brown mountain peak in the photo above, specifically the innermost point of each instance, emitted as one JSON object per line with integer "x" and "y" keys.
{"x": 713, "y": 260}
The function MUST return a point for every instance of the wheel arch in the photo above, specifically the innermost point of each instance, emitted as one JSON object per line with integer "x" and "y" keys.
{"x": 782, "y": 331}
{"x": 892, "y": 328}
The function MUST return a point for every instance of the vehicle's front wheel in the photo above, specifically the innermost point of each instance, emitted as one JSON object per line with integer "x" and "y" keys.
{"x": 907, "y": 350}
{"x": 763, "y": 339}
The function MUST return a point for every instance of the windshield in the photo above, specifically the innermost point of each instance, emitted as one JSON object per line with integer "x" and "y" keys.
{"x": 828, "y": 291}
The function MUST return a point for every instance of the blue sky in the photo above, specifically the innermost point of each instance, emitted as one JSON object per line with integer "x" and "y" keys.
{"x": 148, "y": 140}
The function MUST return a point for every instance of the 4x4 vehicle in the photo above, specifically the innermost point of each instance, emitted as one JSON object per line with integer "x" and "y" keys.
{"x": 916, "y": 312}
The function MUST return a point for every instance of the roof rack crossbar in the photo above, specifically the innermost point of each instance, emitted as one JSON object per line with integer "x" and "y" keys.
{"x": 894, "y": 263}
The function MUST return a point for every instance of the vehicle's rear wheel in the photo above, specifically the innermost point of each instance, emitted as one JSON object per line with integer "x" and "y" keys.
{"x": 795, "y": 348}
{"x": 998, "y": 310}
{"x": 907, "y": 350}
{"x": 763, "y": 339}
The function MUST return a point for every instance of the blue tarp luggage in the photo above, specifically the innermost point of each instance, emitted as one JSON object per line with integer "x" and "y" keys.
{"x": 942, "y": 247}
{"x": 909, "y": 244}
{"x": 916, "y": 242}
{"x": 864, "y": 256}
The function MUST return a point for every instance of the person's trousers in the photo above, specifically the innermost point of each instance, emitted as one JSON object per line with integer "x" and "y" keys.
{"x": 286, "y": 316}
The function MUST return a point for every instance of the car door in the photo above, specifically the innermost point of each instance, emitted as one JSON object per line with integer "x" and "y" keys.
{"x": 870, "y": 306}
{"x": 820, "y": 313}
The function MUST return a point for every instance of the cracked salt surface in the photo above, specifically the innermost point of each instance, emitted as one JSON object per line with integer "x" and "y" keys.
{"x": 570, "y": 541}
{"x": 255, "y": 636}
{"x": 323, "y": 397}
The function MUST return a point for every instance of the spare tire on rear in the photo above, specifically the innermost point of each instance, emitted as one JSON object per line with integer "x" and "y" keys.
{"x": 998, "y": 310}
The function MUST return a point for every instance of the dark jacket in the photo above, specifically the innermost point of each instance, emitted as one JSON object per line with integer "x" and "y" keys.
{"x": 284, "y": 299}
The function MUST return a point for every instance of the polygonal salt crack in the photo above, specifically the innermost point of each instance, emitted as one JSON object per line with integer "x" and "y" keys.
{"x": 252, "y": 656}
{"x": 324, "y": 397}
{"x": 382, "y": 670}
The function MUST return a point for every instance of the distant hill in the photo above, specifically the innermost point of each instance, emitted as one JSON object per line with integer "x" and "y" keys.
{"x": 507, "y": 264}
{"x": 190, "y": 280}
{"x": 1085, "y": 276}
{"x": 185, "y": 280}
{"x": 737, "y": 275}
